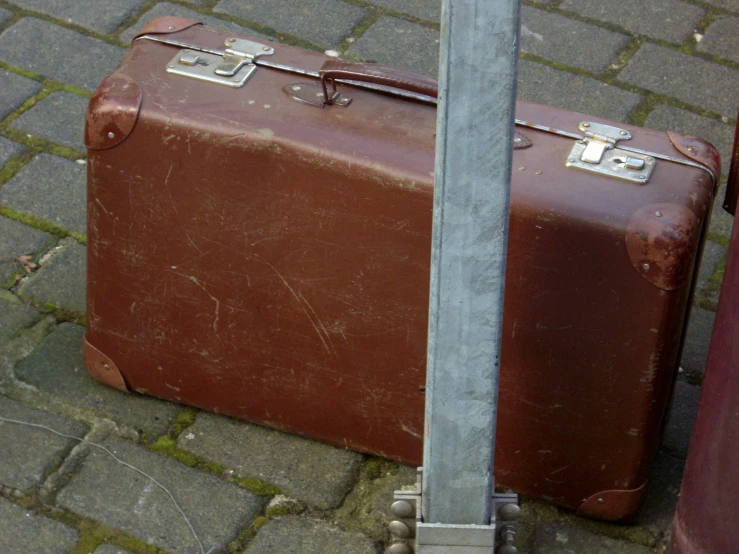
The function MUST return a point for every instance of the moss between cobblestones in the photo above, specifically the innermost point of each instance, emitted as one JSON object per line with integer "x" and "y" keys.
{"x": 720, "y": 239}
{"x": 63, "y": 315}
{"x": 185, "y": 419}
{"x": 282, "y": 510}
{"x": 638, "y": 116}
{"x": 252, "y": 484}
{"x": 372, "y": 16}
{"x": 380, "y": 467}
{"x": 13, "y": 166}
{"x": 41, "y": 224}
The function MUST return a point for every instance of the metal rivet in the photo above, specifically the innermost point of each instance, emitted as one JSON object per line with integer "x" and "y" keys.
{"x": 267, "y": 106}
{"x": 106, "y": 367}
{"x": 296, "y": 87}
{"x": 171, "y": 66}
{"x": 517, "y": 139}
{"x": 124, "y": 86}
{"x": 171, "y": 27}
{"x": 650, "y": 159}
{"x": 601, "y": 501}
{"x": 111, "y": 135}
{"x": 232, "y": 40}
{"x": 624, "y": 133}
{"x": 266, "y": 49}
{"x": 399, "y": 529}
{"x": 403, "y": 508}
{"x": 658, "y": 214}
{"x": 522, "y": 168}
{"x": 236, "y": 78}
{"x": 251, "y": 101}
{"x": 319, "y": 94}
{"x": 538, "y": 172}
{"x": 642, "y": 177}
{"x": 691, "y": 149}
{"x": 586, "y": 124}
{"x": 571, "y": 160}
{"x": 646, "y": 267}
{"x": 581, "y": 142}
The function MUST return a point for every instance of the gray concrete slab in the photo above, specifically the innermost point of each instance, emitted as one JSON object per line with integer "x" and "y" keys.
{"x": 393, "y": 41}
{"x": 721, "y": 39}
{"x": 16, "y": 90}
{"x": 60, "y": 118}
{"x": 70, "y": 57}
{"x": 165, "y": 8}
{"x": 669, "y": 20}
{"x": 315, "y": 473}
{"x": 115, "y": 495}
{"x": 568, "y": 41}
{"x": 293, "y": 535}
{"x": 8, "y": 150}
{"x": 670, "y": 118}
{"x": 544, "y": 85}
{"x": 697, "y": 339}
{"x": 57, "y": 367}
{"x": 661, "y": 496}
{"x": 564, "y": 538}
{"x": 28, "y": 454}
{"x": 15, "y": 316}
{"x": 666, "y": 71}
{"x": 325, "y": 23}
{"x": 23, "y": 532}
{"x": 103, "y": 16}
{"x": 17, "y": 240}
{"x": 60, "y": 282}
{"x": 682, "y": 416}
{"x": 429, "y": 10}
{"x": 721, "y": 221}
{"x": 5, "y": 15}
{"x": 50, "y": 188}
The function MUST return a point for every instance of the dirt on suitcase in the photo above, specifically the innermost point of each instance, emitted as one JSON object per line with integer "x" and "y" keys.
{"x": 87, "y": 46}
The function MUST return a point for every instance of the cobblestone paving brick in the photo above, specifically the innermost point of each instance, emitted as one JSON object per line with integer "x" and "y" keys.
{"x": 60, "y": 282}
{"x": 60, "y": 117}
{"x": 666, "y": 71}
{"x": 323, "y": 22}
{"x": 57, "y": 367}
{"x": 544, "y": 85}
{"x": 563, "y": 538}
{"x": 695, "y": 351}
{"x": 124, "y": 499}
{"x": 682, "y": 416}
{"x": 23, "y": 532}
{"x": 70, "y": 57}
{"x": 293, "y": 535}
{"x": 14, "y": 317}
{"x": 669, "y": 118}
{"x": 731, "y": 5}
{"x": 393, "y": 41}
{"x": 165, "y": 8}
{"x": 16, "y": 240}
{"x": 16, "y": 90}
{"x": 564, "y": 40}
{"x": 50, "y": 188}
{"x": 721, "y": 220}
{"x": 670, "y": 20}
{"x": 110, "y": 549}
{"x": 103, "y": 16}
{"x": 713, "y": 253}
{"x": 430, "y": 10}
{"x": 8, "y": 149}
{"x": 309, "y": 471}
{"x": 660, "y": 498}
{"x": 4, "y": 15}
{"x": 28, "y": 453}
{"x": 721, "y": 39}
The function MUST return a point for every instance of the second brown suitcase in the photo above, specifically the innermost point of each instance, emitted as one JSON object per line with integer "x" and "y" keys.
{"x": 253, "y": 254}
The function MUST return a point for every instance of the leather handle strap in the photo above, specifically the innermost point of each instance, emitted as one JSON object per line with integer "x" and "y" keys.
{"x": 732, "y": 186}
{"x": 379, "y": 75}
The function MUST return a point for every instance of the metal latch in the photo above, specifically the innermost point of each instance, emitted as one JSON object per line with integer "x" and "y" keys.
{"x": 231, "y": 69}
{"x": 598, "y": 152}
{"x": 412, "y": 536}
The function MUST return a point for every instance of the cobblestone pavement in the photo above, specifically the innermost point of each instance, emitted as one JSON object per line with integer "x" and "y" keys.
{"x": 663, "y": 64}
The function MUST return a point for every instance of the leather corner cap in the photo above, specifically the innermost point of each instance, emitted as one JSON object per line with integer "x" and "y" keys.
{"x": 166, "y": 24}
{"x": 112, "y": 112}
{"x": 699, "y": 151}
{"x": 613, "y": 505}
{"x": 660, "y": 240}
{"x": 102, "y": 368}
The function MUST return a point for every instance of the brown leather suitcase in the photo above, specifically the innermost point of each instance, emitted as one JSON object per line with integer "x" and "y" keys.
{"x": 254, "y": 253}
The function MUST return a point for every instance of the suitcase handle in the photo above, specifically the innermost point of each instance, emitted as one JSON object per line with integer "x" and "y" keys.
{"x": 377, "y": 74}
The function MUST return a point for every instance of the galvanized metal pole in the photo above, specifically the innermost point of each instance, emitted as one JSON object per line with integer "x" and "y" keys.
{"x": 477, "y": 89}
